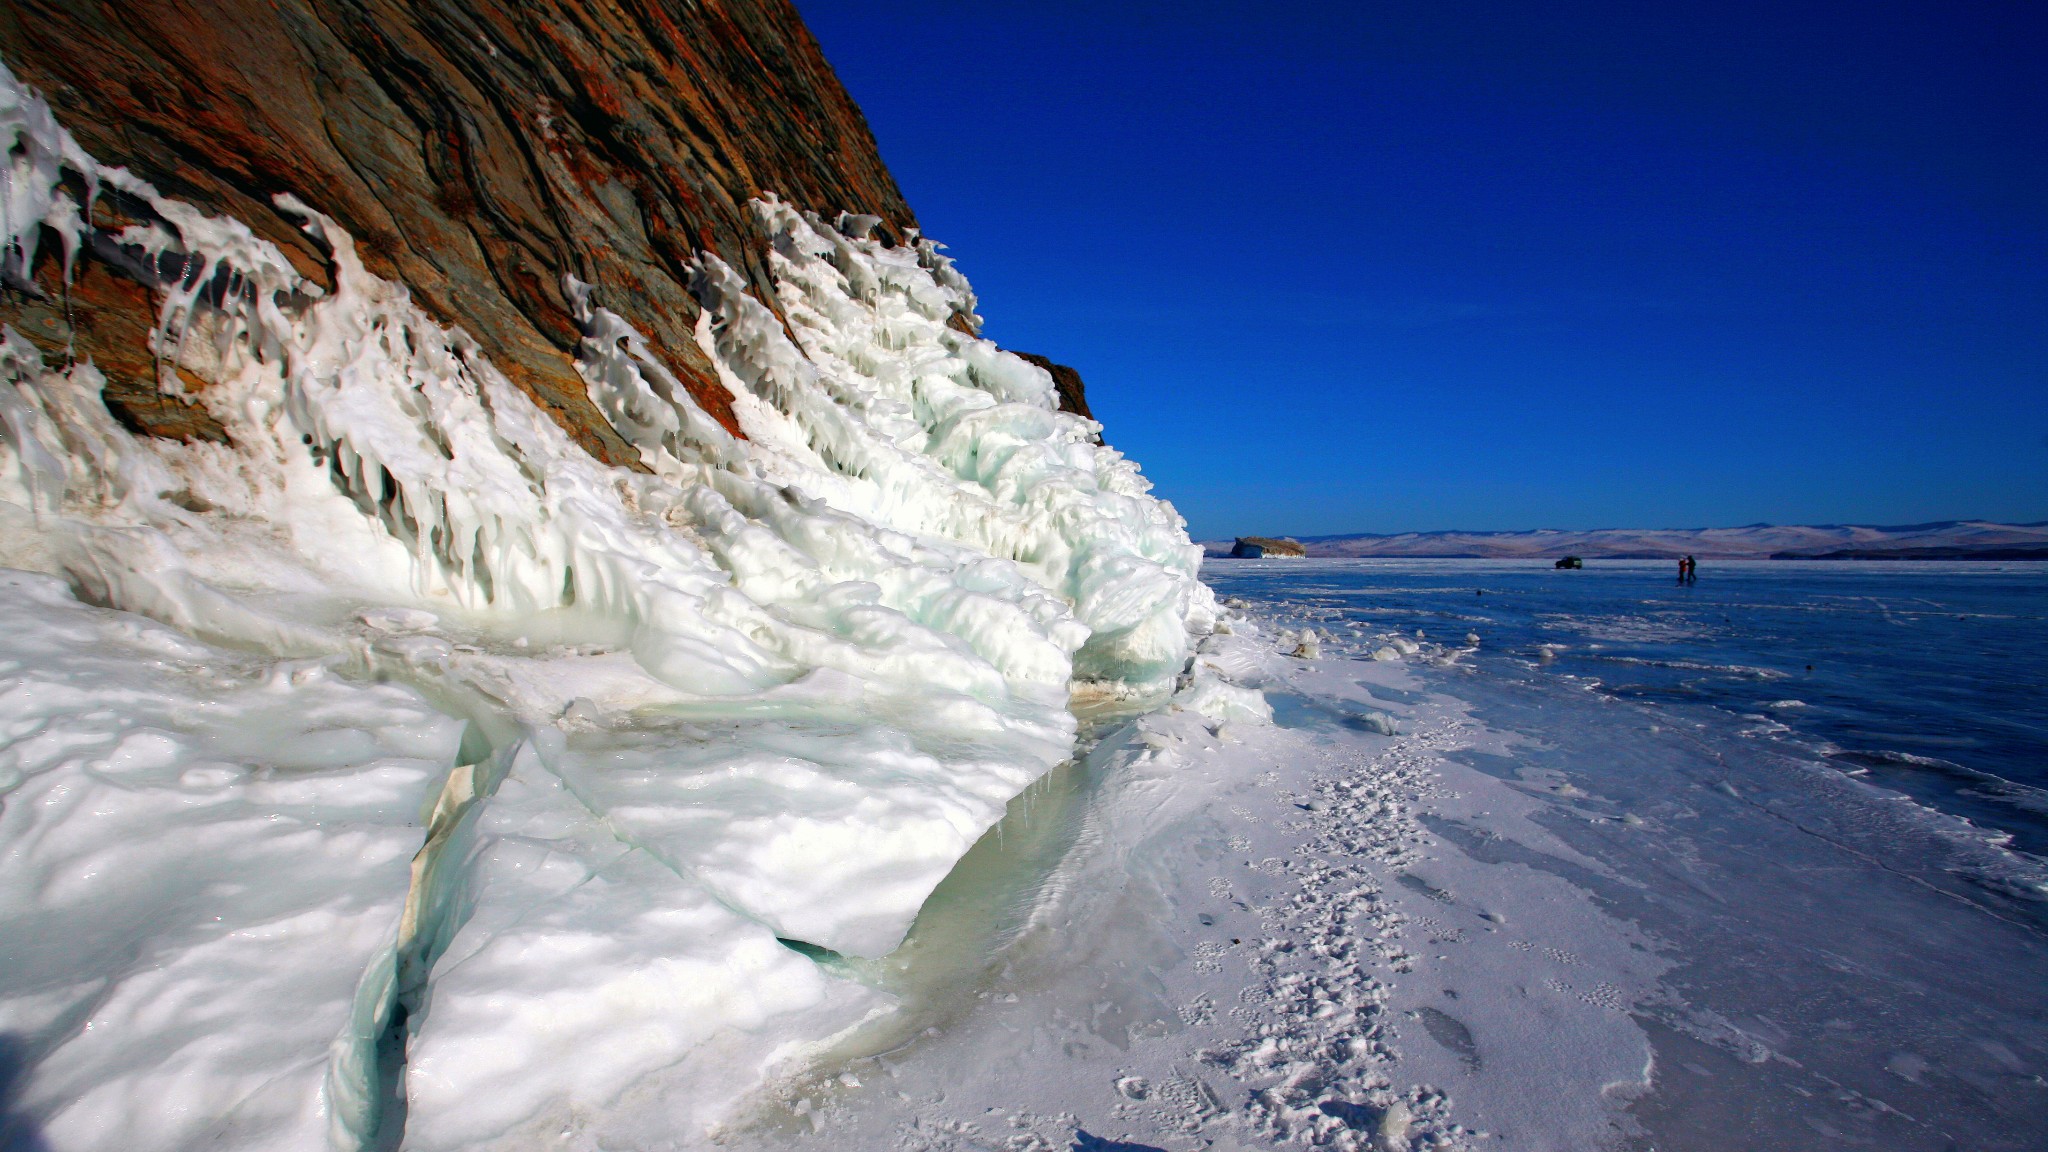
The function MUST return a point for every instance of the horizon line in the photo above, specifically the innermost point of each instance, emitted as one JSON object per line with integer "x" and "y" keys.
{"x": 1918, "y": 526}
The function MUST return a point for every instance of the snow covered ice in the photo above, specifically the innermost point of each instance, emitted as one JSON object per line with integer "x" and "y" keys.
{"x": 204, "y": 860}
{"x": 1243, "y": 943}
{"x": 590, "y": 970}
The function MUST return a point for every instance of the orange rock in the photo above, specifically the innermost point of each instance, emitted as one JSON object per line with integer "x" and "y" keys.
{"x": 477, "y": 150}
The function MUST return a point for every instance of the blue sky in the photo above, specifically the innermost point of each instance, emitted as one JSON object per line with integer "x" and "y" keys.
{"x": 1411, "y": 266}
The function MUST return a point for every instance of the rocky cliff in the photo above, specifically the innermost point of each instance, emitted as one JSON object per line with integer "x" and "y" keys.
{"x": 477, "y": 151}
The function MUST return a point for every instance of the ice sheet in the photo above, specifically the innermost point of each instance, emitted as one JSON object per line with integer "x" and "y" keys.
{"x": 592, "y": 995}
{"x": 1462, "y": 897}
{"x": 1851, "y": 954}
{"x": 203, "y": 861}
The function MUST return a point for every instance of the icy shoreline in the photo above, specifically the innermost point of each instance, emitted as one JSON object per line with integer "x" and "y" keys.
{"x": 395, "y": 774}
{"x": 1840, "y": 961}
{"x": 1234, "y": 943}
{"x": 1212, "y": 932}
{"x": 1456, "y": 881}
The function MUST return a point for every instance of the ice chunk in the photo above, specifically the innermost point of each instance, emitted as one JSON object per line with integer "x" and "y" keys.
{"x": 824, "y": 831}
{"x": 595, "y": 994}
{"x": 203, "y": 859}
{"x": 397, "y": 619}
{"x": 1240, "y": 658}
{"x": 1224, "y": 702}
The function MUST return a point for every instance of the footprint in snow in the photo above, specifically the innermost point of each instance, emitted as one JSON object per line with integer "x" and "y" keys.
{"x": 1415, "y": 883}
{"x": 1448, "y": 1031}
{"x": 1085, "y": 1142}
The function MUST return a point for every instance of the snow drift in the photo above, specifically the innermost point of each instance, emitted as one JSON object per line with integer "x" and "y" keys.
{"x": 641, "y": 724}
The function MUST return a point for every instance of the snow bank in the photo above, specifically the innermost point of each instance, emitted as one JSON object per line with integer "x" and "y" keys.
{"x": 770, "y": 687}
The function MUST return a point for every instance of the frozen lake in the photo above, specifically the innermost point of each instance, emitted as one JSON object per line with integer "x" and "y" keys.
{"x": 1775, "y": 765}
{"x": 1624, "y": 874}
{"x": 1924, "y": 677}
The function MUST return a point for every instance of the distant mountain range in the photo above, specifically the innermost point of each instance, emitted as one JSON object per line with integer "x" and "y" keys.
{"x": 1942, "y": 540}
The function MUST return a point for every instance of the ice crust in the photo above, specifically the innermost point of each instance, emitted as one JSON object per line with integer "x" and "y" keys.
{"x": 771, "y": 687}
{"x": 589, "y": 969}
{"x": 204, "y": 858}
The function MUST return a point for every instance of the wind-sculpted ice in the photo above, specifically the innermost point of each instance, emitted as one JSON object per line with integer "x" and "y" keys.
{"x": 590, "y": 969}
{"x": 204, "y": 860}
{"x": 770, "y": 687}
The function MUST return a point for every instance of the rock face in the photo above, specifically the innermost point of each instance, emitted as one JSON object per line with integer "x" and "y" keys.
{"x": 482, "y": 351}
{"x": 1073, "y": 395}
{"x": 1268, "y": 547}
{"x": 479, "y": 150}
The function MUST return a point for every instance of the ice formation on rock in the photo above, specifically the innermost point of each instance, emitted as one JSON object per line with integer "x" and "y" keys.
{"x": 771, "y": 687}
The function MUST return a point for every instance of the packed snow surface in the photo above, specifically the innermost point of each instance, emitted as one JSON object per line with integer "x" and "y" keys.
{"x": 769, "y": 688}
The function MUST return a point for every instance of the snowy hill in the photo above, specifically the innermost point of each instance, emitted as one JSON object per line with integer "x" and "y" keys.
{"x": 1952, "y": 539}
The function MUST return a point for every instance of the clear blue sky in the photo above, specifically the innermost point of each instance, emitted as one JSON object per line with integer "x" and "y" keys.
{"x": 1423, "y": 265}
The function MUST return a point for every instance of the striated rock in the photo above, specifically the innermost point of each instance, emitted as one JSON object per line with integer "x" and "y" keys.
{"x": 105, "y": 317}
{"x": 479, "y": 150}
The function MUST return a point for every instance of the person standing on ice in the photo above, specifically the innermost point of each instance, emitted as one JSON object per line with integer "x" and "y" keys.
{"x": 1692, "y": 570}
{"x": 1683, "y": 563}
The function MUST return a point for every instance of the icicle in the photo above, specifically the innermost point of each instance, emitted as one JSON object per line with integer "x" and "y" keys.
{"x": 42, "y": 470}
